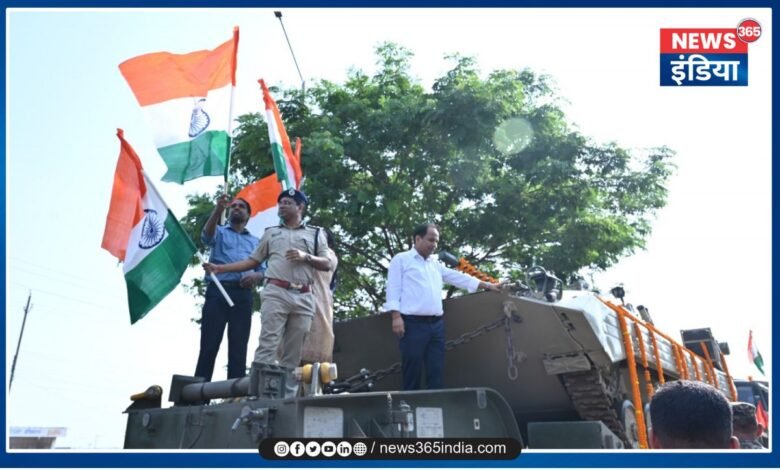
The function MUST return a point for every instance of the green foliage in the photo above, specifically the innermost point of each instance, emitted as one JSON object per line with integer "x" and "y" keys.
{"x": 492, "y": 160}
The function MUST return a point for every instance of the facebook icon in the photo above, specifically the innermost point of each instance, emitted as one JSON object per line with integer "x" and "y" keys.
{"x": 297, "y": 449}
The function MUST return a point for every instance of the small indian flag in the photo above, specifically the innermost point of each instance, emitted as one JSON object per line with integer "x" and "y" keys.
{"x": 143, "y": 233}
{"x": 754, "y": 354}
{"x": 187, "y": 99}
{"x": 286, "y": 163}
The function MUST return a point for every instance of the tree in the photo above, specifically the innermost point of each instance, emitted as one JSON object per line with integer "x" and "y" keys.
{"x": 492, "y": 160}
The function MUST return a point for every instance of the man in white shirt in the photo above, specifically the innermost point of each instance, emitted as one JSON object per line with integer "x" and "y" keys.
{"x": 414, "y": 289}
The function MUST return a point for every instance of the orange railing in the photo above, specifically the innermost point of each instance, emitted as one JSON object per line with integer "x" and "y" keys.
{"x": 678, "y": 350}
{"x": 643, "y": 353}
{"x": 728, "y": 377}
{"x": 634, "y": 378}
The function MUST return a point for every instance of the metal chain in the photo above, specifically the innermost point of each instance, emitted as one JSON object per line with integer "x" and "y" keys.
{"x": 512, "y": 357}
{"x": 511, "y": 360}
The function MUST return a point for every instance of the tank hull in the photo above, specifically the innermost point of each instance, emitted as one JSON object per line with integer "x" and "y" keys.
{"x": 542, "y": 364}
{"x": 243, "y": 423}
{"x": 540, "y": 335}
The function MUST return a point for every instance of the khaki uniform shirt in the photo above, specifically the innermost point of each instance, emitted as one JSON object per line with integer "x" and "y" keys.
{"x": 275, "y": 243}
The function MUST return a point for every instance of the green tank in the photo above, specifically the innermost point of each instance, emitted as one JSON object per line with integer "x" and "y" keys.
{"x": 240, "y": 413}
{"x": 520, "y": 364}
{"x": 553, "y": 361}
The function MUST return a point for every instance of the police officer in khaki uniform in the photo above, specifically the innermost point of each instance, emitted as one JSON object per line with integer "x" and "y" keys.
{"x": 293, "y": 251}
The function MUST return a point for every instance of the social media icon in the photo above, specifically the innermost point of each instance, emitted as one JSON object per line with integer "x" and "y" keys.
{"x": 281, "y": 449}
{"x": 344, "y": 449}
{"x": 313, "y": 449}
{"x": 359, "y": 449}
{"x": 297, "y": 449}
{"x": 328, "y": 449}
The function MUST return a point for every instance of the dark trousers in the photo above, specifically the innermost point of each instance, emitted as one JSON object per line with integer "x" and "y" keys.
{"x": 422, "y": 345}
{"x": 216, "y": 314}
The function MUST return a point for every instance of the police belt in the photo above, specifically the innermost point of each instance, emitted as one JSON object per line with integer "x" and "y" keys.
{"x": 288, "y": 285}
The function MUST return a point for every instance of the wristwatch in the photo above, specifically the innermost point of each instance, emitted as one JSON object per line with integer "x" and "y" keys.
{"x": 308, "y": 258}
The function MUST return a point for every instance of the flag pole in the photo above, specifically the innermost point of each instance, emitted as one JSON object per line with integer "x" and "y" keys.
{"x": 200, "y": 256}
{"x": 230, "y": 120}
{"x": 230, "y": 109}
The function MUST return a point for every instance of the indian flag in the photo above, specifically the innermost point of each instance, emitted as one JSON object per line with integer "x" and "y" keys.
{"x": 143, "y": 233}
{"x": 286, "y": 163}
{"x": 187, "y": 99}
{"x": 261, "y": 195}
{"x": 754, "y": 354}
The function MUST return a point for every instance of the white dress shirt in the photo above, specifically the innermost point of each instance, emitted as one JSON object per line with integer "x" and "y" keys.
{"x": 414, "y": 284}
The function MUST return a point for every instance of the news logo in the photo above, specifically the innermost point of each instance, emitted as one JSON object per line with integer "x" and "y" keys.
{"x": 707, "y": 56}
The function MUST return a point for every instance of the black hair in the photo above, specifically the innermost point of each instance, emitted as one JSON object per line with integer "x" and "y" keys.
{"x": 422, "y": 229}
{"x": 691, "y": 415}
{"x": 248, "y": 207}
{"x": 744, "y": 417}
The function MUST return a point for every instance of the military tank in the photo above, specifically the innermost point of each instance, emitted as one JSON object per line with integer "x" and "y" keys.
{"x": 547, "y": 367}
{"x": 559, "y": 358}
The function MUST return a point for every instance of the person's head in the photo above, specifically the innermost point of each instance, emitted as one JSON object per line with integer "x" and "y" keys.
{"x": 745, "y": 424}
{"x": 240, "y": 211}
{"x": 292, "y": 204}
{"x": 690, "y": 415}
{"x": 426, "y": 238}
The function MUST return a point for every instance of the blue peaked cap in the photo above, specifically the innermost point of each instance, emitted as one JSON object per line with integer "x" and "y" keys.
{"x": 297, "y": 195}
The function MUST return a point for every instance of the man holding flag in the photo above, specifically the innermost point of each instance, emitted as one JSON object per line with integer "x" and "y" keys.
{"x": 293, "y": 251}
{"x": 228, "y": 243}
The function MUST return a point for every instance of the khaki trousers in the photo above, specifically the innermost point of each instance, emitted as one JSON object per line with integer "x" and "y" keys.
{"x": 285, "y": 318}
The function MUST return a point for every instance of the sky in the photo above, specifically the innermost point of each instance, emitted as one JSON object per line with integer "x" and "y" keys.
{"x": 707, "y": 262}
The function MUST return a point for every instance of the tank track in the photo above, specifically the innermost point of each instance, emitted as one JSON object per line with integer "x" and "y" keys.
{"x": 590, "y": 395}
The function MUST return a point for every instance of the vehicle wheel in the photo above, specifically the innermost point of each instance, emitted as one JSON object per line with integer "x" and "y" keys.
{"x": 628, "y": 419}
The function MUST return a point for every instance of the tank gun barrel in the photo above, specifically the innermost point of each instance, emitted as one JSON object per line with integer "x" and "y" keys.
{"x": 204, "y": 391}
{"x": 264, "y": 380}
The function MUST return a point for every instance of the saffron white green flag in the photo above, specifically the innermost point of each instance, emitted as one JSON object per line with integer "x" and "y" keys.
{"x": 187, "y": 99}
{"x": 754, "y": 354}
{"x": 286, "y": 163}
{"x": 261, "y": 196}
{"x": 143, "y": 233}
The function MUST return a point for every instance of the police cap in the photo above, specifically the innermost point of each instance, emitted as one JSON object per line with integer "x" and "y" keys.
{"x": 295, "y": 194}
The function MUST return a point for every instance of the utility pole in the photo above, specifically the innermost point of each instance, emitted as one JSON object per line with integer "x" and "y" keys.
{"x": 16, "y": 356}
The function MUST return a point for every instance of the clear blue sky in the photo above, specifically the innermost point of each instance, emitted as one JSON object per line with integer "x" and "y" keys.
{"x": 708, "y": 261}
